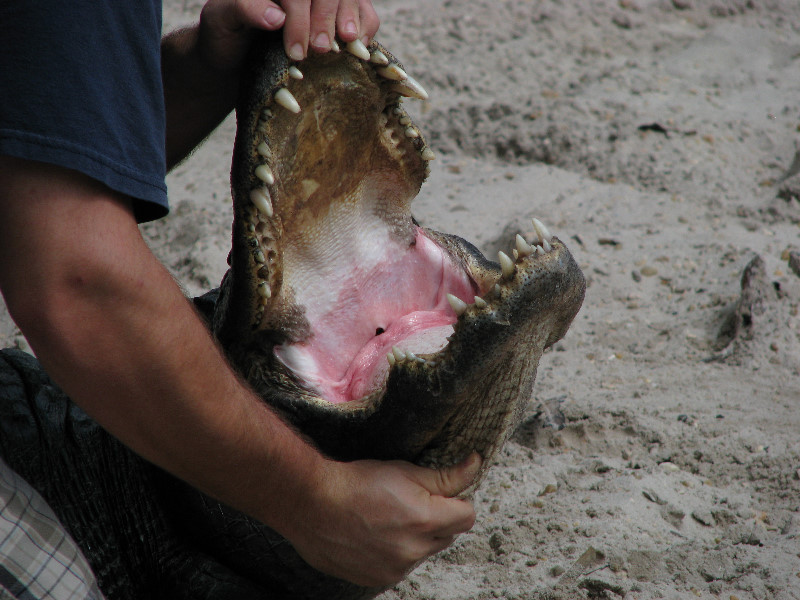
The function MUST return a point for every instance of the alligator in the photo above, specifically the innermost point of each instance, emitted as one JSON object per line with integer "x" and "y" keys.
{"x": 375, "y": 337}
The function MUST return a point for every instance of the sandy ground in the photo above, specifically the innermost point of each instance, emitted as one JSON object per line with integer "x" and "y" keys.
{"x": 658, "y": 139}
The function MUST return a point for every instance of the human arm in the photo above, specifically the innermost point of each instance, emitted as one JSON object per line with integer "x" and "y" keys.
{"x": 201, "y": 64}
{"x": 113, "y": 329}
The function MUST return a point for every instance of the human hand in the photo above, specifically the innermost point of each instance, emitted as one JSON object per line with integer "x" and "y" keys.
{"x": 225, "y": 25}
{"x": 372, "y": 522}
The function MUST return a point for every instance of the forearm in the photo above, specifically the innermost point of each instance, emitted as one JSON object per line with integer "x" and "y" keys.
{"x": 197, "y": 95}
{"x": 112, "y": 328}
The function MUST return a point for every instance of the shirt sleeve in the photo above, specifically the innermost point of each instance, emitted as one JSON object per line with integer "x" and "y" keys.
{"x": 80, "y": 87}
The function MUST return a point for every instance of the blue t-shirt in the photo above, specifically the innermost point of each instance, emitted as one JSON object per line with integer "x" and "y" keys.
{"x": 80, "y": 87}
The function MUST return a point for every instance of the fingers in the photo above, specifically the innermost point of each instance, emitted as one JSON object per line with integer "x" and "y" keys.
{"x": 315, "y": 24}
{"x": 453, "y": 480}
{"x": 297, "y": 28}
{"x": 348, "y": 21}
{"x": 368, "y": 19}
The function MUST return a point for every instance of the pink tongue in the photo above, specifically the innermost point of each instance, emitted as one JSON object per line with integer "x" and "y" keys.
{"x": 421, "y": 331}
{"x": 405, "y": 293}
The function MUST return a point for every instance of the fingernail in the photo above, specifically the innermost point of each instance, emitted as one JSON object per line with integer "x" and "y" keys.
{"x": 350, "y": 28}
{"x": 365, "y": 39}
{"x": 322, "y": 41}
{"x": 274, "y": 17}
{"x": 473, "y": 462}
{"x": 296, "y": 52}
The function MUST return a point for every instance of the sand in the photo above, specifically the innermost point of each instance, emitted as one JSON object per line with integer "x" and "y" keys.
{"x": 659, "y": 139}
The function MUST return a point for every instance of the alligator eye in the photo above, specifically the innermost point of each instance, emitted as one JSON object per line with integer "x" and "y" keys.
{"x": 379, "y": 330}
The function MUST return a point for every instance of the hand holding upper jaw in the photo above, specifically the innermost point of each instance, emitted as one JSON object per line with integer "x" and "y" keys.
{"x": 306, "y": 24}
{"x": 201, "y": 65}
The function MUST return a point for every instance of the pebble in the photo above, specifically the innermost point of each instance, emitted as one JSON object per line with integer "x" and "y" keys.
{"x": 703, "y": 516}
{"x": 556, "y": 571}
{"x": 794, "y": 262}
{"x": 550, "y": 488}
{"x": 649, "y": 271}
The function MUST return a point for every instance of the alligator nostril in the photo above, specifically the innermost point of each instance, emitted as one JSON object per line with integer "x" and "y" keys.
{"x": 379, "y": 330}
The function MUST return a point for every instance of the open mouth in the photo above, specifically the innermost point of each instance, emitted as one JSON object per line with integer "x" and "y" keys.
{"x": 374, "y": 335}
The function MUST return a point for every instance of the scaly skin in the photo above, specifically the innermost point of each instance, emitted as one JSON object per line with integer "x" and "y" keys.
{"x": 335, "y": 200}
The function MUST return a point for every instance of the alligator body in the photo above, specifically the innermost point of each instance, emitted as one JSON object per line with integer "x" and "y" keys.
{"x": 375, "y": 337}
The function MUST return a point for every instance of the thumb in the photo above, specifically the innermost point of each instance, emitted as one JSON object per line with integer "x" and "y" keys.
{"x": 451, "y": 481}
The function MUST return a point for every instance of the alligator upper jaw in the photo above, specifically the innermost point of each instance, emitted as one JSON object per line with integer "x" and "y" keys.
{"x": 377, "y": 337}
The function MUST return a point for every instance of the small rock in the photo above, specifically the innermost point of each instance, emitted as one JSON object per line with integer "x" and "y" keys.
{"x": 649, "y": 271}
{"x": 556, "y": 571}
{"x": 496, "y": 543}
{"x": 550, "y": 488}
{"x": 703, "y": 516}
{"x": 621, "y": 20}
{"x": 652, "y": 496}
{"x": 794, "y": 262}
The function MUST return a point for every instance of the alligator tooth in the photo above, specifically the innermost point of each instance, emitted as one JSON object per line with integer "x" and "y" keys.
{"x": 259, "y": 256}
{"x": 480, "y": 302}
{"x": 523, "y": 248}
{"x": 497, "y": 289}
{"x": 251, "y": 228}
{"x": 378, "y": 57}
{"x": 410, "y": 87}
{"x": 546, "y": 246}
{"x": 264, "y": 173}
{"x": 263, "y": 150}
{"x": 515, "y": 254}
{"x": 506, "y": 264}
{"x": 393, "y": 72}
{"x": 427, "y": 154}
{"x": 390, "y": 357}
{"x": 260, "y": 198}
{"x": 539, "y": 250}
{"x": 264, "y": 290}
{"x": 411, "y": 133}
{"x": 457, "y": 304}
{"x": 266, "y": 114}
{"x": 398, "y": 354}
{"x": 295, "y": 73}
{"x": 335, "y": 46}
{"x": 411, "y": 356}
{"x": 286, "y": 100}
{"x": 541, "y": 232}
{"x": 357, "y": 48}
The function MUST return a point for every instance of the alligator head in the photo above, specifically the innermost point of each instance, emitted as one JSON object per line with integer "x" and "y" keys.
{"x": 374, "y": 336}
